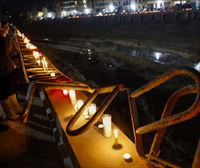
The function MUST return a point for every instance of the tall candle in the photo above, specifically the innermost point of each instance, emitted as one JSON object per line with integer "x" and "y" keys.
{"x": 107, "y": 125}
{"x": 78, "y": 104}
{"x": 92, "y": 109}
{"x": 116, "y": 135}
{"x": 72, "y": 96}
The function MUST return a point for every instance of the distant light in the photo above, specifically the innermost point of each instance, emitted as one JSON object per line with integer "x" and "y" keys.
{"x": 50, "y": 15}
{"x": 197, "y": 66}
{"x": 40, "y": 14}
{"x": 111, "y": 7}
{"x": 87, "y": 11}
{"x": 133, "y": 7}
{"x": 63, "y": 13}
{"x": 74, "y": 12}
{"x": 157, "y": 55}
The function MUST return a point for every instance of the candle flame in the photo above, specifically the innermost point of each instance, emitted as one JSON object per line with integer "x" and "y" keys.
{"x": 116, "y": 133}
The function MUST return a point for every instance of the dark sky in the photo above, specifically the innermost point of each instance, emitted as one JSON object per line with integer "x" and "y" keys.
{"x": 25, "y": 4}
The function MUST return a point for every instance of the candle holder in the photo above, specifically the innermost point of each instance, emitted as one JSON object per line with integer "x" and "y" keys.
{"x": 107, "y": 125}
{"x": 127, "y": 157}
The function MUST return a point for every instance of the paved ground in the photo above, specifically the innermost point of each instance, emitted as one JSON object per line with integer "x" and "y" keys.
{"x": 23, "y": 146}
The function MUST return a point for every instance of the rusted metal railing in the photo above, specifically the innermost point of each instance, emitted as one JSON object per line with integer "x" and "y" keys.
{"x": 113, "y": 93}
{"x": 167, "y": 119}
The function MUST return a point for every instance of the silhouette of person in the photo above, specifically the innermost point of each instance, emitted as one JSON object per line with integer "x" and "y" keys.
{"x": 8, "y": 97}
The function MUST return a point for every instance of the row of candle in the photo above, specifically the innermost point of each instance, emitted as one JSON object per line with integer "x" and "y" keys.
{"x": 106, "y": 118}
{"x": 37, "y": 55}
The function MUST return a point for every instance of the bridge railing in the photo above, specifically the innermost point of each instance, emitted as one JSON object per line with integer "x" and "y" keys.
{"x": 167, "y": 119}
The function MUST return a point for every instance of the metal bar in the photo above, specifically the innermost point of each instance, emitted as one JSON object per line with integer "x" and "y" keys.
{"x": 135, "y": 125}
{"x": 96, "y": 116}
{"x": 28, "y": 101}
{"x": 23, "y": 66}
{"x": 173, "y": 99}
{"x": 196, "y": 161}
{"x": 165, "y": 77}
{"x": 163, "y": 162}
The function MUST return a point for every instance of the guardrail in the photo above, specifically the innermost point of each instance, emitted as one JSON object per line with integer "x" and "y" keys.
{"x": 160, "y": 126}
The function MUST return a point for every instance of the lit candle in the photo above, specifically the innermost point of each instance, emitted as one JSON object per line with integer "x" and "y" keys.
{"x": 127, "y": 157}
{"x": 100, "y": 126}
{"x": 116, "y": 135}
{"x": 65, "y": 92}
{"x": 45, "y": 64}
{"x": 53, "y": 74}
{"x": 36, "y": 55}
{"x": 78, "y": 104}
{"x": 107, "y": 125}
{"x": 72, "y": 96}
{"x": 92, "y": 109}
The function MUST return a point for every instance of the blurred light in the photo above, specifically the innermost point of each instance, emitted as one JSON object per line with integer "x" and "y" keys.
{"x": 87, "y": 11}
{"x": 65, "y": 92}
{"x": 111, "y": 7}
{"x": 51, "y": 15}
{"x": 40, "y": 14}
{"x": 197, "y": 66}
{"x": 160, "y": 4}
{"x": 63, "y": 14}
{"x": 74, "y": 12}
{"x": 157, "y": 55}
{"x": 133, "y": 7}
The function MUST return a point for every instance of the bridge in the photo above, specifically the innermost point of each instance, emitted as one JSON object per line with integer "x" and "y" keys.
{"x": 83, "y": 134}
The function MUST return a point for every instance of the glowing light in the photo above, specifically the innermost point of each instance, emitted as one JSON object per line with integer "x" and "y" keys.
{"x": 72, "y": 96}
{"x": 63, "y": 13}
{"x": 65, "y": 92}
{"x": 157, "y": 55}
{"x": 44, "y": 64}
{"x": 87, "y": 11}
{"x": 111, "y": 7}
{"x": 116, "y": 135}
{"x": 127, "y": 157}
{"x": 133, "y": 6}
{"x": 197, "y": 66}
{"x": 49, "y": 14}
{"x": 40, "y": 14}
{"x": 92, "y": 109}
{"x": 36, "y": 54}
{"x": 100, "y": 126}
{"x": 107, "y": 125}
{"x": 78, "y": 104}
{"x": 52, "y": 74}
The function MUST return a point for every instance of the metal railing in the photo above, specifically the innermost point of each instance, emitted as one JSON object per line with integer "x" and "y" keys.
{"x": 167, "y": 119}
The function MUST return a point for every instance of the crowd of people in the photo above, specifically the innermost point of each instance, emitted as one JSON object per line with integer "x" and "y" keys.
{"x": 8, "y": 71}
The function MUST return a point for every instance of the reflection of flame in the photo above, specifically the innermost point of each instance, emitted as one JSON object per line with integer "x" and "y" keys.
{"x": 197, "y": 66}
{"x": 157, "y": 55}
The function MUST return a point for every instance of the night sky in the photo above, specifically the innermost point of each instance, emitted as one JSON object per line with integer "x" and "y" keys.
{"x": 25, "y": 4}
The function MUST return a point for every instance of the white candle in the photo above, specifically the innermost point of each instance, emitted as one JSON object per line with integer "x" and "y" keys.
{"x": 72, "y": 96}
{"x": 65, "y": 92}
{"x": 100, "y": 126}
{"x": 45, "y": 64}
{"x": 116, "y": 135}
{"x": 107, "y": 125}
{"x": 92, "y": 109}
{"x": 127, "y": 157}
{"x": 78, "y": 104}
